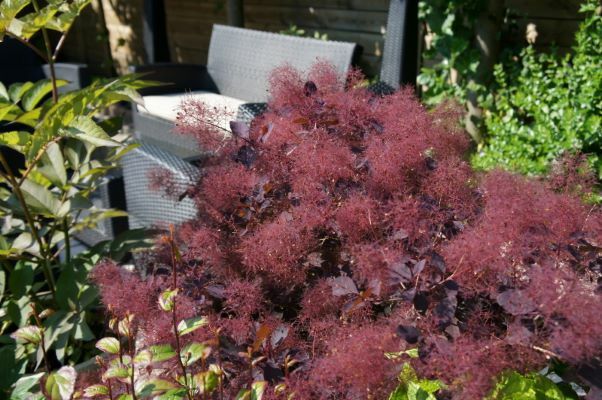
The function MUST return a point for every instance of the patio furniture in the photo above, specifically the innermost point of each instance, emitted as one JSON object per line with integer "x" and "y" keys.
{"x": 238, "y": 66}
{"x": 235, "y": 79}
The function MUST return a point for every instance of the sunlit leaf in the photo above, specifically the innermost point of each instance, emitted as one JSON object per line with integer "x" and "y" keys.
{"x": 191, "y": 324}
{"x": 108, "y": 345}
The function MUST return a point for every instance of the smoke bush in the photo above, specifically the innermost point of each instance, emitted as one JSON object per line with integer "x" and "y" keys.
{"x": 344, "y": 225}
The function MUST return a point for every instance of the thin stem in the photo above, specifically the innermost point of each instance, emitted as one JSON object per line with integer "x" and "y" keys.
{"x": 28, "y": 44}
{"x": 39, "y": 324}
{"x": 50, "y": 60}
{"x": 60, "y": 44}
{"x": 67, "y": 241}
{"x": 34, "y": 231}
{"x": 37, "y": 158}
{"x": 174, "y": 318}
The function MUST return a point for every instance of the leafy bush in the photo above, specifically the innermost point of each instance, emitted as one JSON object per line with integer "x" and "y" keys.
{"x": 544, "y": 105}
{"x": 344, "y": 230}
{"x": 60, "y": 155}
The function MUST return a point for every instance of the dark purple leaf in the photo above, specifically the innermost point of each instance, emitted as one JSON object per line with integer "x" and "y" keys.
{"x": 451, "y": 286}
{"x": 216, "y": 291}
{"x": 421, "y": 302}
{"x": 438, "y": 262}
{"x": 419, "y": 267}
{"x": 272, "y": 372}
{"x": 431, "y": 163}
{"x": 408, "y": 333}
{"x": 377, "y": 126}
{"x": 375, "y": 286}
{"x": 246, "y": 155}
{"x": 278, "y": 336}
{"x": 265, "y": 135}
{"x": 400, "y": 272}
{"x": 453, "y": 331}
{"x": 310, "y": 88}
{"x": 239, "y": 129}
{"x": 342, "y": 286}
{"x": 515, "y": 302}
{"x": 400, "y": 234}
{"x": 409, "y": 294}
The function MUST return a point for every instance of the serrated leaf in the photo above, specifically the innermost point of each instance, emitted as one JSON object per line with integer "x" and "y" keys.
{"x": 17, "y": 90}
{"x": 85, "y": 129}
{"x": 16, "y": 140}
{"x": 8, "y": 11}
{"x": 37, "y": 92}
{"x": 108, "y": 345}
{"x": 52, "y": 165}
{"x": 191, "y": 324}
{"x": 39, "y": 198}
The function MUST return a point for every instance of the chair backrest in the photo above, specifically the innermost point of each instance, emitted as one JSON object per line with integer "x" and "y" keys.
{"x": 240, "y": 60}
{"x": 400, "y": 54}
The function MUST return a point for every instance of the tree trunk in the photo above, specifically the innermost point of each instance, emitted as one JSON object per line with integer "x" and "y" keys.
{"x": 487, "y": 41}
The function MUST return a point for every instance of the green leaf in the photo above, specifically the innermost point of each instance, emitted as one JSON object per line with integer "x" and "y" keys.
{"x": 173, "y": 394}
{"x": 206, "y": 382}
{"x": 26, "y": 243}
{"x": 33, "y": 96}
{"x": 16, "y": 140}
{"x": 61, "y": 384}
{"x": 116, "y": 371}
{"x": 85, "y": 129}
{"x": 28, "y": 334}
{"x": 108, "y": 345}
{"x": 20, "y": 279}
{"x": 2, "y": 283}
{"x": 162, "y": 352}
{"x": 512, "y": 385}
{"x": 8, "y": 11}
{"x": 3, "y": 92}
{"x": 191, "y": 324}
{"x": 193, "y": 352}
{"x": 24, "y": 385}
{"x": 153, "y": 387}
{"x": 39, "y": 198}
{"x": 167, "y": 299}
{"x": 52, "y": 165}
{"x": 17, "y": 90}
{"x": 96, "y": 390}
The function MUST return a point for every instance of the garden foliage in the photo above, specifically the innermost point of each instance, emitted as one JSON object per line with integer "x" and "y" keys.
{"x": 54, "y": 153}
{"x": 342, "y": 240}
{"x": 544, "y": 105}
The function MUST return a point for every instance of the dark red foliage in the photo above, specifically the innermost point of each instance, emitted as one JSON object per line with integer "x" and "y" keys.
{"x": 352, "y": 222}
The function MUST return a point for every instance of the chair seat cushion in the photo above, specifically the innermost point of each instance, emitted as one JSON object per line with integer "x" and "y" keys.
{"x": 166, "y": 106}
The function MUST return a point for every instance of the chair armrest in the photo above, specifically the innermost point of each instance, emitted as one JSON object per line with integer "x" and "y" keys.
{"x": 78, "y": 75}
{"x": 248, "y": 111}
{"x": 177, "y": 78}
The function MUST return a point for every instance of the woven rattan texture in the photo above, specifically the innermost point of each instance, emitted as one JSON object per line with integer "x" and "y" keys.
{"x": 240, "y": 60}
{"x": 148, "y": 207}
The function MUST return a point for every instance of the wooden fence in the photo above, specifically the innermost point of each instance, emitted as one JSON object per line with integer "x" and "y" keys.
{"x": 189, "y": 23}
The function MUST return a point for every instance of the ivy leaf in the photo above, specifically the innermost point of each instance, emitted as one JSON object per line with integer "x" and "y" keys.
{"x": 191, "y": 324}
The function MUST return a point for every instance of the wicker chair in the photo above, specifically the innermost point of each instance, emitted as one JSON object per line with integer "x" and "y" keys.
{"x": 235, "y": 78}
{"x": 238, "y": 66}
